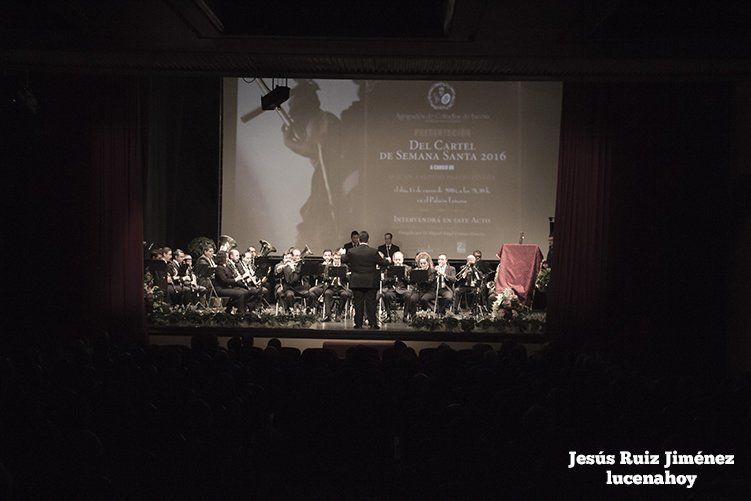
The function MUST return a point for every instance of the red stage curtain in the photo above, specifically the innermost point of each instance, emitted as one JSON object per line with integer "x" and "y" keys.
{"x": 74, "y": 178}
{"x": 116, "y": 217}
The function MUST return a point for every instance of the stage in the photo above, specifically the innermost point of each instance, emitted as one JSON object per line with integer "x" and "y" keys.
{"x": 341, "y": 335}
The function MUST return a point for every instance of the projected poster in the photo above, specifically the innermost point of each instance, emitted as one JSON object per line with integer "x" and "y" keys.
{"x": 447, "y": 167}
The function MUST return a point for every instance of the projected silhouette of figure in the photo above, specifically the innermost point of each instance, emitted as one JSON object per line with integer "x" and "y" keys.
{"x": 354, "y": 132}
{"x": 317, "y": 135}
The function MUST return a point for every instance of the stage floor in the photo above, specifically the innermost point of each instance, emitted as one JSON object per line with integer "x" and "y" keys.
{"x": 390, "y": 331}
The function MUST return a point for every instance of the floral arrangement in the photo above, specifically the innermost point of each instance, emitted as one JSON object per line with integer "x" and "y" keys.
{"x": 426, "y": 319}
{"x": 159, "y": 312}
{"x": 468, "y": 324}
{"x": 533, "y": 322}
{"x": 198, "y": 314}
{"x": 506, "y": 306}
{"x": 156, "y": 306}
{"x": 451, "y": 322}
{"x": 543, "y": 278}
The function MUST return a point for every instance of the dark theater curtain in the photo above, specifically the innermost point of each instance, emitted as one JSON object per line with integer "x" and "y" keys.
{"x": 577, "y": 290}
{"x": 115, "y": 220}
{"x": 181, "y": 197}
{"x": 74, "y": 206}
{"x": 643, "y": 217}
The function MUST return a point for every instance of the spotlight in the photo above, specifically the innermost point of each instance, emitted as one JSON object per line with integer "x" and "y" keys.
{"x": 275, "y": 98}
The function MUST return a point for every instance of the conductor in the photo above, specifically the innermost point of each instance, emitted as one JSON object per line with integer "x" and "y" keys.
{"x": 363, "y": 280}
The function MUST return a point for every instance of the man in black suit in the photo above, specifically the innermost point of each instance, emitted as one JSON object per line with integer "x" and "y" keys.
{"x": 488, "y": 275}
{"x": 205, "y": 267}
{"x": 388, "y": 249}
{"x": 227, "y": 284}
{"x": 354, "y": 240}
{"x": 364, "y": 278}
{"x": 394, "y": 287}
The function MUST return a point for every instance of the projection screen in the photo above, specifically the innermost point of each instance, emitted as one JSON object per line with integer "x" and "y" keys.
{"x": 446, "y": 166}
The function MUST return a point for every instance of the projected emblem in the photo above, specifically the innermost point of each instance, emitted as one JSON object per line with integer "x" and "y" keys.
{"x": 441, "y": 96}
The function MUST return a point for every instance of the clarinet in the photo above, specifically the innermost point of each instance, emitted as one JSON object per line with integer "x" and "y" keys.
{"x": 243, "y": 280}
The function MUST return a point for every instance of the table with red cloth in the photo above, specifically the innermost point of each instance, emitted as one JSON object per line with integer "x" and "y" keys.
{"x": 518, "y": 269}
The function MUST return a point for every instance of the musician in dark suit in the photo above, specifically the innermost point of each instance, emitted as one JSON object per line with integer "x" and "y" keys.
{"x": 364, "y": 279}
{"x": 295, "y": 284}
{"x": 445, "y": 275}
{"x": 174, "y": 287}
{"x": 205, "y": 266}
{"x": 173, "y": 265}
{"x": 488, "y": 275}
{"x": 394, "y": 287}
{"x": 248, "y": 267}
{"x": 191, "y": 290}
{"x": 227, "y": 284}
{"x": 247, "y": 280}
{"x": 354, "y": 240}
{"x": 469, "y": 283}
{"x": 422, "y": 262}
{"x": 334, "y": 286}
{"x": 388, "y": 249}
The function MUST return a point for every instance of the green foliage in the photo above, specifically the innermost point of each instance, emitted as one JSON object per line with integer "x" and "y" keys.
{"x": 543, "y": 278}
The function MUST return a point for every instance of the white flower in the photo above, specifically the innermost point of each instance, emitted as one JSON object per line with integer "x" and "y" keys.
{"x": 507, "y": 299}
{"x": 425, "y": 314}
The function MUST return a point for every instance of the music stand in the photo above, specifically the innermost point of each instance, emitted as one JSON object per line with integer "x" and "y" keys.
{"x": 419, "y": 276}
{"x": 337, "y": 272}
{"x": 396, "y": 272}
{"x": 263, "y": 266}
{"x": 311, "y": 269}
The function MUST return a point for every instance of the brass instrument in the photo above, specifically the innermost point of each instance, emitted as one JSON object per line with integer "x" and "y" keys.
{"x": 305, "y": 251}
{"x": 463, "y": 272}
{"x": 469, "y": 271}
{"x": 266, "y": 248}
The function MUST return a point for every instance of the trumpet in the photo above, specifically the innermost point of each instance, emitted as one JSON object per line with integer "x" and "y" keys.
{"x": 305, "y": 251}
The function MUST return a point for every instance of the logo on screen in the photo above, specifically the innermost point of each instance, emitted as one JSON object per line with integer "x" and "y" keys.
{"x": 441, "y": 96}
